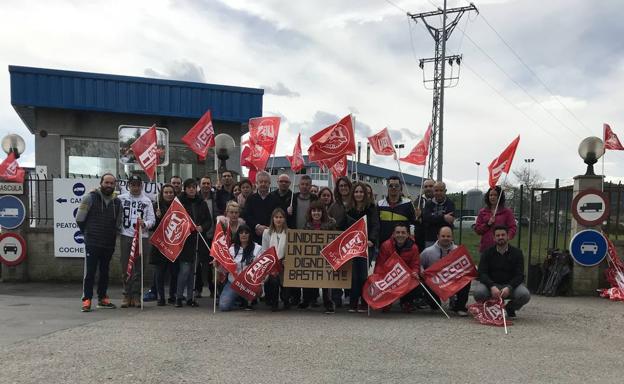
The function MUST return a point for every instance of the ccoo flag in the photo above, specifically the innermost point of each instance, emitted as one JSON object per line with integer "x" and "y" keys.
{"x": 393, "y": 281}
{"x": 451, "y": 273}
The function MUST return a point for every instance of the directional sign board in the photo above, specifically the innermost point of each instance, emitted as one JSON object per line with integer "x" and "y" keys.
{"x": 68, "y": 194}
{"x": 590, "y": 207}
{"x": 12, "y": 212}
{"x": 12, "y": 249}
{"x": 588, "y": 247}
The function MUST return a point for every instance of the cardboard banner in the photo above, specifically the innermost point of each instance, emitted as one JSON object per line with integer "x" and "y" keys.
{"x": 304, "y": 267}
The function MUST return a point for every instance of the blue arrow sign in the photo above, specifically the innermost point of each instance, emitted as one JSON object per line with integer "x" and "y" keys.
{"x": 588, "y": 247}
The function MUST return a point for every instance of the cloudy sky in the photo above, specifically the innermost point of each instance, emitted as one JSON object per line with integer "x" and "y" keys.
{"x": 320, "y": 60}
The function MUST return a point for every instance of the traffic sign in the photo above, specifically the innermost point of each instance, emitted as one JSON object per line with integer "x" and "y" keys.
{"x": 590, "y": 207}
{"x": 12, "y": 212}
{"x": 588, "y": 247}
{"x": 12, "y": 249}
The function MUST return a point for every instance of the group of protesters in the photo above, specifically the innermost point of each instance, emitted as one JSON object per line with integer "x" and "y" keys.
{"x": 419, "y": 231}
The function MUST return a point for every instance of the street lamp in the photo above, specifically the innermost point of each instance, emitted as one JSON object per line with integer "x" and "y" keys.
{"x": 478, "y": 164}
{"x": 529, "y": 162}
{"x": 590, "y": 150}
{"x": 399, "y": 147}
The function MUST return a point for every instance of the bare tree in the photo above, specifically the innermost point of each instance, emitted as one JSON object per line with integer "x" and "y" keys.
{"x": 530, "y": 178}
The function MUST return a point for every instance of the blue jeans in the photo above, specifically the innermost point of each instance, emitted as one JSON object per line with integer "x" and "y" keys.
{"x": 185, "y": 280}
{"x": 228, "y": 298}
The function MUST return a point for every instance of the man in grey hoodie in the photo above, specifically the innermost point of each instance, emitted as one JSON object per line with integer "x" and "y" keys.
{"x": 442, "y": 247}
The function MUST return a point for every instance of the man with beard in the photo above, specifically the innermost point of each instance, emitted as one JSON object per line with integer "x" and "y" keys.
{"x": 99, "y": 217}
{"x": 501, "y": 273}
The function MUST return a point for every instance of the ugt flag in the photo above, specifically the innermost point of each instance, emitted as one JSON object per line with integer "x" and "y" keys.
{"x": 220, "y": 248}
{"x": 351, "y": 243}
{"x": 333, "y": 141}
{"x": 503, "y": 162}
{"x": 296, "y": 160}
{"x": 173, "y": 230}
{"x": 10, "y": 170}
{"x": 134, "y": 251}
{"x": 489, "y": 312}
{"x": 611, "y": 140}
{"x": 248, "y": 283}
{"x": 146, "y": 151}
{"x": 451, "y": 273}
{"x": 393, "y": 282}
{"x": 418, "y": 155}
{"x": 382, "y": 143}
{"x": 264, "y": 131}
{"x": 201, "y": 136}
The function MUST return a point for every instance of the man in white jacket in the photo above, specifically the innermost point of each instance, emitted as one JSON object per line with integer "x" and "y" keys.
{"x": 135, "y": 208}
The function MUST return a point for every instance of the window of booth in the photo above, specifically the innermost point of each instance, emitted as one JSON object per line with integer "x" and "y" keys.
{"x": 89, "y": 157}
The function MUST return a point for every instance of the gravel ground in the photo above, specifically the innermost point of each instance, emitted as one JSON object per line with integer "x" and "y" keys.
{"x": 46, "y": 339}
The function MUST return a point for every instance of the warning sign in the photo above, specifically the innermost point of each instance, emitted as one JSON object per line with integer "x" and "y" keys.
{"x": 304, "y": 266}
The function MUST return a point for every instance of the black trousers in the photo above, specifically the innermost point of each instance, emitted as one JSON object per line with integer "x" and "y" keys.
{"x": 96, "y": 259}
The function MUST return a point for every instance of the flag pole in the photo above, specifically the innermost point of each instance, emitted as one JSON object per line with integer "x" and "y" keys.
{"x": 214, "y": 310}
{"x": 503, "y": 312}
{"x": 367, "y": 260}
{"x": 292, "y": 193}
{"x": 434, "y": 300}
{"x": 195, "y": 269}
{"x": 500, "y": 195}
{"x": 603, "y": 173}
{"x": 141, "y": 253}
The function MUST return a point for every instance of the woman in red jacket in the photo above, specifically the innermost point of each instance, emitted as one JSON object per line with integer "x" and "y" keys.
{"x": 486, "y": 221}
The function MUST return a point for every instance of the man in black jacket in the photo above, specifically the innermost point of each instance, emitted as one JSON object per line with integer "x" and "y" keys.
{"x": 501, "y": 273}
{"x": 300, "y": 204}
{"x": 260, "y": 206}
{"x": 283, "y": 192}
{"x": 439, "y": 212}
{"x": 99, "y": 217}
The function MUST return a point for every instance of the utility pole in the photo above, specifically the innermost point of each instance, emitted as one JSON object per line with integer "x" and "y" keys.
{"x": 440, "y": 36}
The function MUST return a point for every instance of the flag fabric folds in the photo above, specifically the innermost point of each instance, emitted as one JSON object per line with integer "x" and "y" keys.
{"x": 418, "y": 155}
{"x": 489, "y": 312}
{"x": 296, "y": 160}
{"x": 502, "y": 163}
{"x": 451, "y": 273}
{"x": 353, "y": 242}
{"x": 10, "y": 170}
{"x": 134, "y": 252}
{"x": 614, "y": 274}
{"x": 146, "y": 151}
{"x": 201, "y": 136}
{"x": 381, "y": 143}
{"x": 393, "y": 282}
{"x": 333, "y": 141}
{"x": 248, "y": 283}
{"x": 610, "y": 139}
{"x": 264, "y": 132}
{"x": 173, "y": 230}
{"x": 220, "y": 248}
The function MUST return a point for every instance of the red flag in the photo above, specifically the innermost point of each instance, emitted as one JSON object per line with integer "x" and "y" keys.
{"x": 264, "y": 131}
{"x": 134, "y": 252}
{"x": 336, "y": 140}
{"x": 146, "y": 151}
{"x": 296, "y": 160}
{"x": 173, "y": 230}
{"x": 418, "y": 155}
{"x": 220, "y": 248}
{"x": 351, "y": 243}
{"x": 338, "y": 168}
{"x": 451, "y": 273}
{"x": 489, "y": 312}
{"x": 248, "y": 283}
{"x": 201, "y": 136}
{"x": 258, "y": 156}
{"x": 393, "y": 282}
{"x": 382, "y": 143}
{"x": 10, "y": 170}
{"x": 611, "y": 140}
{"x": 503, "y": 162}
{"x": 614, "y": 275}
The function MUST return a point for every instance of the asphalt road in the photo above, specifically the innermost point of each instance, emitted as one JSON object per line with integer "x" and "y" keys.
{"x": 44, "y": 338}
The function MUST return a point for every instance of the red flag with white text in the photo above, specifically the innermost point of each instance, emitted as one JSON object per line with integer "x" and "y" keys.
{"x": 489, "y": 312}
{"x": 418, "y": 155}
{"x": 264, "y": 132}
{"x": 338, "y": 168}
{"x": 248, "y": 283}
{"x": 333, "y": 141}
{"x": 393, "y": 282}
{"x": 451, "y": 273}
{"x": 174, "y": 228}
{"x": 220, "y": 248}
{"x": 381, "y": 143}
{"x": 134, "y": 252}
{"x": 296, "y": 160}
{"x": 353, "y": 242}
{"x": 146, "y": 151}
{"x": 610, "y": 139}
{"x": 201, "y": 136}
{"x": 10, "y": 170}
{"x": 502, "y": 163}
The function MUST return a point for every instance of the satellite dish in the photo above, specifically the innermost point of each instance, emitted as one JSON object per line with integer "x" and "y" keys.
{"x": 13, "y": 143}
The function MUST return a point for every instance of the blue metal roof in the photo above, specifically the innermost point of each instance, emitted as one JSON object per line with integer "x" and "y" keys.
{"x": 51, "y": 88}
{"x": 363, "y": 168}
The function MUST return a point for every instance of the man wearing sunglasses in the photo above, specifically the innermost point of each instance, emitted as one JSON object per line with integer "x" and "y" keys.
{"x": 394, "y": 209}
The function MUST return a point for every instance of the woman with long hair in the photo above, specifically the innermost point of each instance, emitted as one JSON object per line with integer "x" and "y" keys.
{"x": 342, "y": 197}
{"x": 157, "y": 259}
{"x": 243, "y": 252}
{"x": 490, "y": 216}
{"x": 275, "y": 236}
{"x": 362, "y": 205}
{"x": 246, "y": 189}
{"x": 326, "y": 196}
